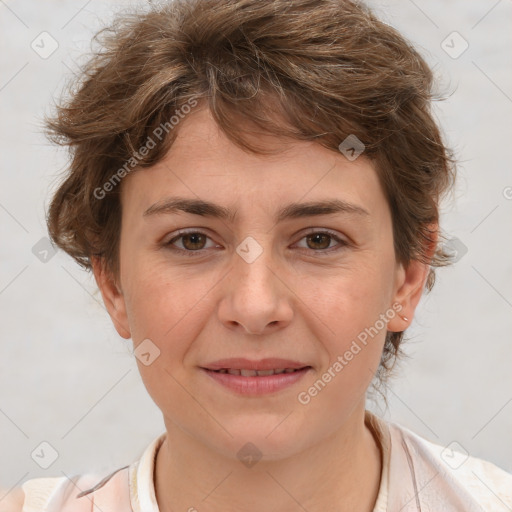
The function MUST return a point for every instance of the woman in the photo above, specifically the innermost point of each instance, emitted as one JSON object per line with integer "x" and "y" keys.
{"x": 255, "y": 186}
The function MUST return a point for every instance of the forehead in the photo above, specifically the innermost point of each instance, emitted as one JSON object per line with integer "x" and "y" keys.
{"x": 203, "y": 163}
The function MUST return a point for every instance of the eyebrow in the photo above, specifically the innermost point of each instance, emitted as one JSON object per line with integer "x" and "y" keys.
{"x": 291, "y": 211}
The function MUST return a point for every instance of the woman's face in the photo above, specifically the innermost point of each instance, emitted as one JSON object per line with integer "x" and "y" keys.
{"x": 269, "y": 280}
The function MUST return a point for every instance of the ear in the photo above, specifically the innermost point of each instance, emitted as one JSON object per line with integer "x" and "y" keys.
{"x": 113, "y": 297}
{"x": 410, "y": 282}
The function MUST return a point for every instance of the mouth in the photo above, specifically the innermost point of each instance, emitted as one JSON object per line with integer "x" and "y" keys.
{"x": 257, "y": 373}
{"x": 245, "y": 377}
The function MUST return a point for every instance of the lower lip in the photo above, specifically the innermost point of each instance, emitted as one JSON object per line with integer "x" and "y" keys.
{"x": 257, "y": 385}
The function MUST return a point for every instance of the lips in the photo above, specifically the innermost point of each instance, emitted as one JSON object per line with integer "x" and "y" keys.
{"x": 253, "y": 378}
{"x": 256, "y": 377}
{"x": 255, "y": 373}
{"x": 252, "y": 368}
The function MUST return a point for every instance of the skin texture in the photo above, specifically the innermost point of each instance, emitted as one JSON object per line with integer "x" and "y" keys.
{"x": 291, "y": 302}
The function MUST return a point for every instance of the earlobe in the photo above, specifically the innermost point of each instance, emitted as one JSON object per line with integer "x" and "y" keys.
{"x": 410, "y": 289}
{"x": 113, "y": 297}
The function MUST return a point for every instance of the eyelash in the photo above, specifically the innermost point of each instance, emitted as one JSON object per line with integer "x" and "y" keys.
{"x": 321, "y": 252}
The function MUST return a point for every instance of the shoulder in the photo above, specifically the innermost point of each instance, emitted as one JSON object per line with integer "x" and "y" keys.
{"x": 33, "y": 494}
{"x": 116, "y": 492}
{"x": 11, "y": 500}
{"x": 450, "y": 474}
{"x": 63, "y": 494}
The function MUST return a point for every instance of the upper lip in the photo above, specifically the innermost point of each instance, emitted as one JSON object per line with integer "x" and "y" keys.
{"x": 240, "y": 363}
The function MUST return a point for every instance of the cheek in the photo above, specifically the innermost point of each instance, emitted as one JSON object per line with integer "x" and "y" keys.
{"x": 352, "y": 339}
{"x": 349, "y": 299}
{"x": 349, "y": 310}
{"x": 352, "y": 333}
{"x": 167, "y": 306}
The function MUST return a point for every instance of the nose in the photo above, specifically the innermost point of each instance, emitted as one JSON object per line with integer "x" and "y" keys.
{"x": 256, "y": 297}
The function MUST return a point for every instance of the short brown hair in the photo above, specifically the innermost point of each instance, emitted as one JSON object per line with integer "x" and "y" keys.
{"x": 307, "y": 69}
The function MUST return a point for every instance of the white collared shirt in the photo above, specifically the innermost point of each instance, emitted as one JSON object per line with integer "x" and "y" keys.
{"x": 417, "y": 476}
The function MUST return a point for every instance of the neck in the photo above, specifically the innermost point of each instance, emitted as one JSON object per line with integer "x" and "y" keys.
{"x": 341, "y": 473}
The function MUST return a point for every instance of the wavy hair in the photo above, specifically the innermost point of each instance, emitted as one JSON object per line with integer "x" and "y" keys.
{"x": 307, "y": 69}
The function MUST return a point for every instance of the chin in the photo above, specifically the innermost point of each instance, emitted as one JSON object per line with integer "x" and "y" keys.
{"x": 265, "y": 437}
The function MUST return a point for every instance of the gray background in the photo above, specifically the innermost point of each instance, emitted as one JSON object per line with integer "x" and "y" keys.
{"x": 67, "y": 378}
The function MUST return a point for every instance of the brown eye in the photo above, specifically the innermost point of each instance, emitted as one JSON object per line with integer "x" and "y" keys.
{"x": 193, "y": 241}
{"x": 319, "y": 241}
